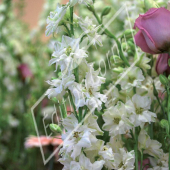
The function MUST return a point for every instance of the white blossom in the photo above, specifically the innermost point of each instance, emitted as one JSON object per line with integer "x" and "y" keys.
{"x": 67, "y": 54}
{"x": 54, "y": 19}
{"x": 74, "y": 2}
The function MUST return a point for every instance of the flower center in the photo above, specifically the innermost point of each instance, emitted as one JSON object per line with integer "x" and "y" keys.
{"x": 76, "y": 134}
{"x": 105, "y": 148}
{"x": 68, "y": 50}
{"x": 116, "y": 120}
{"x": 139, "y": 111}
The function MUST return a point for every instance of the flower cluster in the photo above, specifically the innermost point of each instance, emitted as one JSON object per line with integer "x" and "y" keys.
{"x": 111, "y": 125}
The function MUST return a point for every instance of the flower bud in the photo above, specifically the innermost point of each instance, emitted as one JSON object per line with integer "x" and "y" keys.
{"x": 55, "y": 128}
{"x": 150, "y": 4}
{"x": 163, "y": 79}
{"x": 106, "y": 11}
{"x": 118, "y": 70}
{"x": 90, "y": 7}
{"x": 164, "y": 124}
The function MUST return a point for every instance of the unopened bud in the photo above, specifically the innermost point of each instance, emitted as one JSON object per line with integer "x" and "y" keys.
{"x": 164, "y": 124}
{"x": 106, "y": 11}
{"x": 55, "y": 128}
{"x": 163, "y": 79}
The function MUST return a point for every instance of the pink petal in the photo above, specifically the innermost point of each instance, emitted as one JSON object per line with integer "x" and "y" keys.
{"x": 141, "y": 42}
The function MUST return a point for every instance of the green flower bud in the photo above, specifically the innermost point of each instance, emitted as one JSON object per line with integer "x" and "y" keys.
{"x": 90, "y": 7}
{"x": 55, "y": 128}
{"x": 163, "y": 79}
{"x": 118, "y": 70}
{"x": 164, "y": 124}
{"x": 106, "y": 11}
{"x": 124, "y": 46}
{"x": 116, "y": 60}
{"x": 150, "y": 4}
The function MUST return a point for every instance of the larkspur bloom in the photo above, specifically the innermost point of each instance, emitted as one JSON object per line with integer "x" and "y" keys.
{"x": 133, "y": 78}
{"x": 60, "y": 86}
{"x": 117, "y": 120}
{"x": 85, "y": 164}
{"x": 139, "y": 107}
{"x": 76, "y": 137}
{"x": 68, "y": 54}
{"x": 91, "y": 31}
{"x": 151, "y": 147}
{"x": 53, "y": 21}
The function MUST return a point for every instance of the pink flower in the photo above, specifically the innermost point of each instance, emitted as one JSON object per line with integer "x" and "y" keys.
{"x": 34, "y": 141}
{"x": 162, "y": 64}
{"x": 154, "y": 31}
{"x": 144, "y": 164}
{"x": 24, "y": 71}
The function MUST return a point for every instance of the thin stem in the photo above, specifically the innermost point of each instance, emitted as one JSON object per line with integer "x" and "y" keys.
{"x": 80, "y": 114}
{"x": 71, "y": 19}
{"x": 168, "y": 90}
{"x": 136, "y": 149}
{"x": 76, "y": 73}
{"x": 63, "y": 109}
{"x": 67, "y": 29}
{"x": 141, "y": 162}
{"x": 72, "y": 103}
{"x": 108, "y": 33}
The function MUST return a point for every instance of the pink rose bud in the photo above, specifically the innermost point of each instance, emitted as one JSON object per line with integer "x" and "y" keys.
{"x": 154, "y": 31}
{"x": 24, "y": 71}
{"x": 162, "y": 64}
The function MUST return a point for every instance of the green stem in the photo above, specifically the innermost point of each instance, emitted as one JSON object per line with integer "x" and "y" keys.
{"x": 168, "y": 90}
{"x": 72, "y": 103}
{"x": 141, "y": 162}
{"x": 71, "y": 19}
{"x": 76, "y": 73}
{"x": 108, "y": 33}
{"x": 136, "y": 149}
{"x": 63, "y": 109}
{"x": 69, "y": 33}
{"x": 80, "y": 114}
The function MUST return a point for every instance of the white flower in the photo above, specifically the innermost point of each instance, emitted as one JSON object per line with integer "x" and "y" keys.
{"x": 91, "y": 30}
{"x": 108, "y": 156}
{"x": 139, "y": 107}
{"x": 93, "y": 83}
{"x": 124, "y": 160}
{"x": 74, "y": 2}
{"x": 77, "y": 91}
{"x": 60, "y": 85}
{"x": 151, "y": 147}
{"x": 76, "y": 137}
{"x": 85, "y": 164}
{"x": 54, "y": 19}
{"x": 132, "y": 78}
{"x": 67, "y": 54}
{"x": 116, "y": 120}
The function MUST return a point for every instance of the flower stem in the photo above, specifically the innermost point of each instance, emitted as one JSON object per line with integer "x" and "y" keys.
{"x": 141, "y": 161}
{"x": 63, "y": 109}
{"x": 71, "y": 19}
{"x": 168, "y": 90}
{"x": 108, "y": 33}
{"x": 136, "y": 149}
{"x": 72, "y": 103}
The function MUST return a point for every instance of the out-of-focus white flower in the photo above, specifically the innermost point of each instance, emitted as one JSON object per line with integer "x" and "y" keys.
{"x": 81, "y": 137}
{"x": 59, "y": 86}
{"x": 54, "y": 19}
{"x": 74, "y": 2}
{"x": 91, "y": 31}
{"x": 116, "y": 120}
{"x": 124, "y": 160}
{"x": 151, "y": 147}
{"x": 139, "y": 107}
{"x": 67, "y": 54}
{"x": 108, "y": 156}
{"x": 93, "y": 83}
{"x": 85, "y": 164}
{"x": 133, "y": 78}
